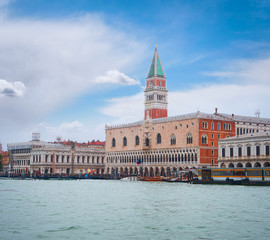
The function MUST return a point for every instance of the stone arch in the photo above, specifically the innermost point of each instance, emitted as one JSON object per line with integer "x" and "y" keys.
{"x": 257, "y": 164}
{"x": 152, "y": 173}
{"x": 223, "y": 165}
{"x": 231, "y": 165}
{"x": 156, "y": 171}
{"x": 168, "y": 171}
{"x": 240, "y": 165}
{"x": 266, "y": 164}
{"x": 130, "y": 171}
{"x": 146, "y": 172}
{"x": 162, "y": 171}
{"x": 248, "y": 165}
{"x": 141, "y": 171}
{"x": 126, "y": 171}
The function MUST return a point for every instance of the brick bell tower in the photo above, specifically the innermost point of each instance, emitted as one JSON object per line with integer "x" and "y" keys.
{"x": 155, "y": 93}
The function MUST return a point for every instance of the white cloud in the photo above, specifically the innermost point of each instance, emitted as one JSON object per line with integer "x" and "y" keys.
{"x": 116, "y": 77}
{"x": 253, "y": 71}
{"x": 125, "y": 109}
{"x": 75, "y": 130}
{"x": 57, "y": 61}
{"x": 11, "y": 89}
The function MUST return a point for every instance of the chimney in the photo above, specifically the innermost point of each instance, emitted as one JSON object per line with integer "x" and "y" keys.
{"x": 233, "y": 115}
{"x": 216, "y": 109}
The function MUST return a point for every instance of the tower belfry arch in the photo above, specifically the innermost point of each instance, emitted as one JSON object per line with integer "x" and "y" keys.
{"x": 156, "y": 92}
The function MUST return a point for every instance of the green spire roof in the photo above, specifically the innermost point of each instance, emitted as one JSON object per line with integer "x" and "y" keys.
{"x": 156, "y": 69}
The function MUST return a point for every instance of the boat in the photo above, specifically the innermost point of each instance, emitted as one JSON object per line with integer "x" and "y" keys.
{"x": 171, "y": 179}
{"x": 129, "y": 178}
{"x": 151, "y": 179}
{"x": 233, "y": 176}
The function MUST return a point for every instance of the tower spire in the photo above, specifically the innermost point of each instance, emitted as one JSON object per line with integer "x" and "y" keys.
{"x": 156, "y": 69}
{"x": 155, "y": 91}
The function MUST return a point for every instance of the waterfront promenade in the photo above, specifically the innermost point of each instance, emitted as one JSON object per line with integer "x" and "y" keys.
{"x": 78, "y": 209}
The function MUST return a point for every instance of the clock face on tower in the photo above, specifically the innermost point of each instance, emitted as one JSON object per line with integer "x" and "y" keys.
{"x": 150, "y": 83}
{"x": 160, "y": 83}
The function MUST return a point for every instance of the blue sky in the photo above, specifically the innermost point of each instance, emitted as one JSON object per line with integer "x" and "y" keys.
{"x": 67, "y": 67}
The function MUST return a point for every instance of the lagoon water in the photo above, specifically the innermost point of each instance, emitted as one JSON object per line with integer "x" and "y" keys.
{"x": 96, "y": 209}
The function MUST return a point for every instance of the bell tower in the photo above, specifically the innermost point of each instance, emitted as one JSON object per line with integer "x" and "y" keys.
{"x": 156, "y": 93}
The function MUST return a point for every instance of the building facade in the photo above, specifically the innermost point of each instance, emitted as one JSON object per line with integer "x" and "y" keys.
{"x": 67, "y": 159}
{"x": 38, "y": 157}
{"x": 250, "y": 150}
{"x": 157, "y": 147}
{"x": 5, "y": 160}
{"x": 246, "y": 125}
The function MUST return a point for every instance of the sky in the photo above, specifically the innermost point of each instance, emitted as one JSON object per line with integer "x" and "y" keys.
{"x": 68, "y": 67}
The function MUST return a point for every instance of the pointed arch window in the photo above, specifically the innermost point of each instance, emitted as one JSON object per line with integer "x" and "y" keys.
{"x": 124, "y": 142}
{"x": 189, "y": 138}
{"x": 137, "y": 140}
{"x": 158, "y": 138}
{"x": 173, "y": 140}
{"x": 212, "y": 125}
{"x": 113, "y": 142}
{"x": 204, "y": 125}
{"x": 204, "y": 139}
{"x": 147, "y": 142}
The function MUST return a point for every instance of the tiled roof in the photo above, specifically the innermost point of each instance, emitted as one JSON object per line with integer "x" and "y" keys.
{"x": 249, "y": 119}
{"x": 187, "y": 116}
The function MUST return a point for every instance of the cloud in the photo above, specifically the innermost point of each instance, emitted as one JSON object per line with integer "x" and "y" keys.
{"x": 116, "y": 77}
{"x": 10, "y": 89}
{"x": 254, "y": 71}
{"x": 125, "y": 109}
{"x": 75, "y": 130}
{"x": 58, "y": 60}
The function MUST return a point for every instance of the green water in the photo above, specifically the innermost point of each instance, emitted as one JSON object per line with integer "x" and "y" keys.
{"x": 92, "y": 209}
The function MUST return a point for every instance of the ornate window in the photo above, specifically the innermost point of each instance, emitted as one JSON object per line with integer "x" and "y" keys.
{"x": 147, "y": 143}
{"x": 158, "y": 138}
{"x": 212, "y": 125}
{"x": 204, "y": 125}
{"x": 124, "y": 142}
{"x": 204, "y": 139}
{"x": 137, "y": 140}
{"x": 113, "y": 142}
{"x": 189, "y": 138}
{"x": 219, "y": 126}
{"x": 173, "y": 140}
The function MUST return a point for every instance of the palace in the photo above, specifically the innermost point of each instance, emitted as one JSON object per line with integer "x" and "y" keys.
{"x": 160, "y": 144}
{"x": 67, "y": 157}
